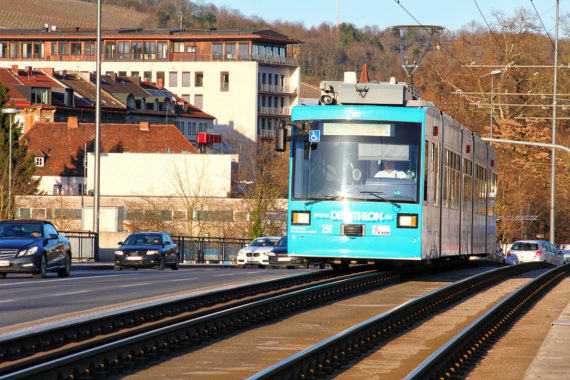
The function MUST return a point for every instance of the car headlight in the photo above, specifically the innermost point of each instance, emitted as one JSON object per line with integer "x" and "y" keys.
{"x": 152, "y": 252}
{"x": 28, "y": 252}
{"x": 119, "y": 253}
{"x": 269, "y": 253}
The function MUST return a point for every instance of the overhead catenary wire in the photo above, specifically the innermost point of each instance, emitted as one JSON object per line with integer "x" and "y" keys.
{"x": 542, "y": 23}
{"x": 489, "y": 27}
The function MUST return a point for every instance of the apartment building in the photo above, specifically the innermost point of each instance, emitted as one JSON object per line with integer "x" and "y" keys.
{"x": 248, "y": 79}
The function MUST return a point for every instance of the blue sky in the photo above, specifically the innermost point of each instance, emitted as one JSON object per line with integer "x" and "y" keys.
{"x": 451, "y": 14}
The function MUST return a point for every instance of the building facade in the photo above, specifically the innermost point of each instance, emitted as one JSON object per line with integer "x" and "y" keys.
{"x": 248, "y": 79}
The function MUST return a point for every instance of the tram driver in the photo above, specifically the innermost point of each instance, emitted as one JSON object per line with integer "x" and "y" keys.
{"x": 389, "y": 171}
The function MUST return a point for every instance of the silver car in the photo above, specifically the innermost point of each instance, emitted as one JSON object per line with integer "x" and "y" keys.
{"x": 523, "y": 251}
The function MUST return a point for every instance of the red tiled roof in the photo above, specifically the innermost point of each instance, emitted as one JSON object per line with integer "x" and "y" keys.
{"x": 9, "y": 80}
{"x": 63, "y": 146}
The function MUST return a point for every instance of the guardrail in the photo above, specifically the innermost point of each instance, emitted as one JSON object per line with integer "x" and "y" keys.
{"x": 208, "y": 249}
{"x": 83, "y": 244}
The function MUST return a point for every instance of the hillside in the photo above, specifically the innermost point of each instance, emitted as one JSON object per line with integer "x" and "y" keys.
{"x": 34, "y": 14}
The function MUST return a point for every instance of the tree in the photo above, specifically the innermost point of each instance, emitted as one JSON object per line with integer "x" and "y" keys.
{"x": 23, "y": 166}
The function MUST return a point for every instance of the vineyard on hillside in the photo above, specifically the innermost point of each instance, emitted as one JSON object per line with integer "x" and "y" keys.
{"x": 34, "y": 14}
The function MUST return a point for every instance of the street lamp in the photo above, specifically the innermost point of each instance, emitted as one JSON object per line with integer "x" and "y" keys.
{"x": 492, "y": 74}
{"x": 11, "y": 112}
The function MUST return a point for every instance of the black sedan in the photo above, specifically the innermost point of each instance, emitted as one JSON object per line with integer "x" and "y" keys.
{"x": 147, "y": 249}
{"x": 33, "y": 246}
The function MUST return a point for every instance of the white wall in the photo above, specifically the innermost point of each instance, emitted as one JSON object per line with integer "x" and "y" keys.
{"x": 70, "y": 185}
{"x": 162, "y": 174}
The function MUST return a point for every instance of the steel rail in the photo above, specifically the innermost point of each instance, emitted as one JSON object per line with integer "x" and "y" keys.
{"x": 102, "y": 358}
{"x": 458, "y": 356}
{"x": 17, "y": 346}
{"x": 329, "y": 355}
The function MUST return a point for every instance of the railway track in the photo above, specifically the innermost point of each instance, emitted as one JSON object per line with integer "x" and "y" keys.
{"x": 454, "y": 359}
{"x": 106, "y": 343}
{"x": 107, "y": 354}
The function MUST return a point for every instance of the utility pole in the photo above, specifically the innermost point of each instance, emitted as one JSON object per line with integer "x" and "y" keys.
{"x": 553, "y": 165}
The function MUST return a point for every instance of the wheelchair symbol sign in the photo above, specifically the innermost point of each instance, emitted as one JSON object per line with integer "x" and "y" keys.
{"x": 314, "y": 136}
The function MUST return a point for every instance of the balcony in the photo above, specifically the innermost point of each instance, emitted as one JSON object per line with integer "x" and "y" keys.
{"x": 275, "y": 111}
{"x": 277, "y": 89}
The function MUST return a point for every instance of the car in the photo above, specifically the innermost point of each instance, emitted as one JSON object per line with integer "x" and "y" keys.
{"x": 147, "y": 249}
{"x": 278, "y": 256}
{"x": 33, "y": 246}
{"x": 534, "y": 250}
{"x": 566, "y": 255}
{"x": 254, "y": 252}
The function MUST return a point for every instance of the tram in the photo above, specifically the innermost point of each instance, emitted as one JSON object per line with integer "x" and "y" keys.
{"x": 378, "y": 174}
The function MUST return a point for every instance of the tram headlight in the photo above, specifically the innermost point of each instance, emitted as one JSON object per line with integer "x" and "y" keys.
{"x": 301, "y": 217}
{"x": 407, "y": 220}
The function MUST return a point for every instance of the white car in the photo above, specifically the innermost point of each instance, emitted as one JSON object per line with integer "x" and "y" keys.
{"x": 255, "y": 253}
{"x": 524, "y": 251}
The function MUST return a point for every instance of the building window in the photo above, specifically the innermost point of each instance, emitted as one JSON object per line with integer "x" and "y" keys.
{"x": 185, "y": 79}
{"x": 186, "y": 97}
{"x": 173, "y": 79}
{"x": 230, "y": 51}
{"x": 40, "y": 162}
{"x": 53, "y": 49}
{"x": 162, "y": 50}
{"x": 194, "y": 128}
{"x": 217, "y": 51}
{"x": 3, "y": 49}
{"x": 243, "y": 50}
{"x": 199, "y": 79}
{"x": 124, "y": 50}
{"x": 76, "y": 48}
{"x": 137, "y": 49}
{"x": 90, "y": 48}
{"x": 199, "y": 101}
{"x": 178, "y": 47}
{"x": 40, "y": 96}
{"x": 135, "y": 74}
{"x": 224, "y": 81}
{"x": 111, "y": 50}
{"x": 160, "y": 78}
{"x": 81, "y": 190}
{"x": 14, "y": 49}
{"x": 191, "y": 49}
{"x": 122, "y": 74}
{"x": 57, "y": 189}
{"x": 148, "y": 76}
{"x": 149, "y": 50}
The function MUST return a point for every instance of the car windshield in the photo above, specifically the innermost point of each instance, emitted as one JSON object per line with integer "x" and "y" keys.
{"x": 18, "y": 231}
{"x": 264, "y": 242}
{"x": 282, "y": 242}
{"x": 524, "y": 246}
{"x": 144, "y": 239}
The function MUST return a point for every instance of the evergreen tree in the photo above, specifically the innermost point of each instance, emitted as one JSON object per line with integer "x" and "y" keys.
{"x": 23, "y": 165}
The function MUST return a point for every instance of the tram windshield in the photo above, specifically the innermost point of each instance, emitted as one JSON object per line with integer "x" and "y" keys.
{"x": 356, "y": 160}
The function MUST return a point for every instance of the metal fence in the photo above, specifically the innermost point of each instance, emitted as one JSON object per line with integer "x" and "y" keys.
{"x": 82, "y": 244}
{"x": 208, "y": 249}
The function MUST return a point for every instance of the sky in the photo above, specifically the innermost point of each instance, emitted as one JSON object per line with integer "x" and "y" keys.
{"x": 451, "y": 14}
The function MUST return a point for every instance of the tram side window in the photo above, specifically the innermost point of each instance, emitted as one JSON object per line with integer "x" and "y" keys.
{"x": 436, "y": 179}
{"x": 467, "y": 180}
{"x": 426, "y": 156}
{"x": 451, "y": 179}
{"x": 480, "y": 189}
{"x": 493, "y": 194}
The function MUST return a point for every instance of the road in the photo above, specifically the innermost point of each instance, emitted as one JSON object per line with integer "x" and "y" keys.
{"x": 86, "y": 292}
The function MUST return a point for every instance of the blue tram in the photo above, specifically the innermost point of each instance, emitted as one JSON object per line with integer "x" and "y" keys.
{"x": 378, "y": 174}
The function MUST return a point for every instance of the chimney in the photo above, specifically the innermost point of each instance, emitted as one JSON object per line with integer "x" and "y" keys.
{"x": 113, "y": 76}
{"x": 72, "y": 122}
{"x": 50, "y": 71}
{"x": 161, "y": 82}
{"x": 29, "y": 71}
{"x": 144, "y": 126}
{"x": 15, "y": 69}
{"x": 135, "y": 80}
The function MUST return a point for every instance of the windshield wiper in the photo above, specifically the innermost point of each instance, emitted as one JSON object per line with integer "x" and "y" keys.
{"x": 327, "y": 198}
{"x": 377, "y": 195}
